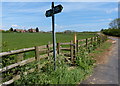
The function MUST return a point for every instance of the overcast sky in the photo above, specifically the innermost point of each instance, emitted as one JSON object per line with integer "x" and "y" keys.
{"x": 78, "y": 16}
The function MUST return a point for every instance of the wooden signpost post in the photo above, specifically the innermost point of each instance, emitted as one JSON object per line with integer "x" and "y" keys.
{"x": 49, "y": 13}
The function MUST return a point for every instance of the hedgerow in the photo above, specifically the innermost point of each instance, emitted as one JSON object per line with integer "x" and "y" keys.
{"x": 112, "y": 32}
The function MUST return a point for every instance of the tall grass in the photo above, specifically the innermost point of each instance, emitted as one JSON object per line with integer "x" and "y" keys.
{"x": 64, "y": 74}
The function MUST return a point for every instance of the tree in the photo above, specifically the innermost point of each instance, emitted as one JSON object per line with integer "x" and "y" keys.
{"x": 11, "y": 29}
{"x": 102, "y": 29}
{"x": 112, "y": 32}
{"x": 69, "y": 31}
{"x": 115, "y": 24}
{"x": 37, "y": 30}
{"x": 15, "y": 30}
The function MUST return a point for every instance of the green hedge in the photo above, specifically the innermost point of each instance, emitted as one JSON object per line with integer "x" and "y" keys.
{"x": 112, "y": 32}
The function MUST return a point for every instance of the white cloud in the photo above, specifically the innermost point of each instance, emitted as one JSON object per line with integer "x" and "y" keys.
{"x": 14, "y": 25}
{"x": 109, "y": 19}
{"x": 112, "y": 10}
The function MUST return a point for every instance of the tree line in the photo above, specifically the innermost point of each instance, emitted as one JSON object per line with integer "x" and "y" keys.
{"x": 22, "y": 30}
{"x": 114, "y": 29}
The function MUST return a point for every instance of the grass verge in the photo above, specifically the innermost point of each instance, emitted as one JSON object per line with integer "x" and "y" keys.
{"x": 101, "y": 53}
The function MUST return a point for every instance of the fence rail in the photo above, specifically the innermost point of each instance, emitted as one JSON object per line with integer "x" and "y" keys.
{"x": 44, "y": 51}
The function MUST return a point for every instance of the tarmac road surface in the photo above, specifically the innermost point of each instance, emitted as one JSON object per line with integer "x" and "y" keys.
{"x": 107, "y": 73}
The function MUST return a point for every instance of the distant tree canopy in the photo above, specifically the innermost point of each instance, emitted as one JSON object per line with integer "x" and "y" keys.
{"x": 111, "y": 32}
{"x": 69, "y": 31}
{"x": 11, "y": 29}
{"x": 114, "y": 29}
{"x": 115, "y": 24}
{"x": 15, "y": 30}
{"x": 37, "y": 30}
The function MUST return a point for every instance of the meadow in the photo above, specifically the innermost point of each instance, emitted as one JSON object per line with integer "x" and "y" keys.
{"x": 14, "y": 41}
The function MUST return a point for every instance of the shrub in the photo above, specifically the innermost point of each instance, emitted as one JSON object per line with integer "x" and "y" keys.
{"x": 112, "y": 32}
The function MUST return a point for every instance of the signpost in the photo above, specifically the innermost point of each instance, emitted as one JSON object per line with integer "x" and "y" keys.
{"x": 54, "y": 10}
{"x": 49, "y": 13}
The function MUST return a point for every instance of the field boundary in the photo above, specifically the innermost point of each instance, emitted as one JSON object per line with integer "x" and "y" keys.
{"x": 45, "y": 51}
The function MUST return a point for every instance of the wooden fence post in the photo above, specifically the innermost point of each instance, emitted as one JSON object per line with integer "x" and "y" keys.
{"x": 77, "y": 45}
{"x": 58, "y": 48}
{"x": 37, "y": 56}
{"x": 98, "y": 41}
{"x": 103, "y": 38}
{"x": 75, "y": 38}
{"x": 94, "y": 39}
{"x": 48, "y": 50}
{"x": 86, "y": 43}
{"x": 36, "y": 53}
{"x": 74, "y": 47}
{"x": 91, "y": 40}
{"x": 74, "y": 51}
{"x": 71, "y": 51}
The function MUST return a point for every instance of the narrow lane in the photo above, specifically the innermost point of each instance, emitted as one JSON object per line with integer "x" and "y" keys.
{"x": 107, "y": 73}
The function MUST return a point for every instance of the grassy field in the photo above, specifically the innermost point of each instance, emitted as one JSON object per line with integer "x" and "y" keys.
{"x": 65, "y": 73}
{"x": 13, "y": 41}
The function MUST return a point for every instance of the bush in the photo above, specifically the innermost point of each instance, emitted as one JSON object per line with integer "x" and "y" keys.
{"x": 6, "y": 31}
{"x": 111, "y": 32}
